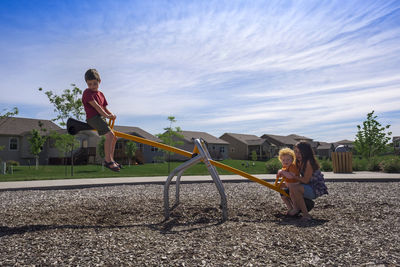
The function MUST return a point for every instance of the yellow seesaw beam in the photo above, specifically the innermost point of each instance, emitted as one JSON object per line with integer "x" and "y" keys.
{"x": 189, "y": 155}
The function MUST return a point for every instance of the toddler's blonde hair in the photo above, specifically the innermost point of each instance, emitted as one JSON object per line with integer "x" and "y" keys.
{"x": 286, "y": 151}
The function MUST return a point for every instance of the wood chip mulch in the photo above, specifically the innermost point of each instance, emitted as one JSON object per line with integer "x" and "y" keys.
{"x": 357, "y": 224}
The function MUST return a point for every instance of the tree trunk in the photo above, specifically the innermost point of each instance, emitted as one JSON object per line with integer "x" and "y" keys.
{"x": 65, "y": 163}
{"x": 72, "y": 160}
{"x": 37, "y": 162}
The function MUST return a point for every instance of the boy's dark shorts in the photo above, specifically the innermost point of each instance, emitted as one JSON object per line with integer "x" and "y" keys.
{"x": 99, "y": 123}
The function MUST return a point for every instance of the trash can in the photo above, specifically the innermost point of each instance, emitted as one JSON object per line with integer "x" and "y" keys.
{"x": 342, "y": 162}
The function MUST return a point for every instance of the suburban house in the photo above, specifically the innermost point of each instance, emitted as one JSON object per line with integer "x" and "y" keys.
{"x": 15, "y": 134}
{"x": 242, "y": 146}
{"x": 324, "y": 149}
{"x": 217, "y": 147}
{"x": 321, "y": 149}
{"x": 144, "y": 153}
{"x": 280, "y": 141}
{"x": 396, "y": 144}
{"x": 14, "y": 140}
{"x": 88, "y": 152}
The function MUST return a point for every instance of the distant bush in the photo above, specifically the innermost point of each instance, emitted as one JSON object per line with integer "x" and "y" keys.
{"x": 391, "y": 165}
{"x": 388, "y": 163}
{"x": 326, "y": 165}
{"x": 273, "y": 165}
{"x": 10, "y": 163}
{"x": 373, "y": 164}
{"x": 360, "y": 164}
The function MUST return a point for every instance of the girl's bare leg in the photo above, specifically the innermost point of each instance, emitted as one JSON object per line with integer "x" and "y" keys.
{"x": 287, "y": 201}
{"x": 296, "y": 195}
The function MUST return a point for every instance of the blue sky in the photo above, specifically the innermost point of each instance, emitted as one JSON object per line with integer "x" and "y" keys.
{"x": 313, "y": 68}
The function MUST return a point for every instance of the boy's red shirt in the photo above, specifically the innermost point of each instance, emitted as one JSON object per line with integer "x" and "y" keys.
{"x": 89, "y": 95}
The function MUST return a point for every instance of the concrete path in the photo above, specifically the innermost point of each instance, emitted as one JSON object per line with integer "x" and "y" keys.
{"x": 95, "y": 182}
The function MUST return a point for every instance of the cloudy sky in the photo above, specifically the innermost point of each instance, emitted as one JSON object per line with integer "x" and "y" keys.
{"x": 313, "y": 68}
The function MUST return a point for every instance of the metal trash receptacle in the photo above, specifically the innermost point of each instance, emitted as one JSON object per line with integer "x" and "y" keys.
{"x": 342, "y": 162}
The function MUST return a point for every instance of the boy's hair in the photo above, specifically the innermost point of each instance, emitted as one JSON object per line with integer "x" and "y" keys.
{"x": 286, "y": 151}
{"x": 92, "y": 74}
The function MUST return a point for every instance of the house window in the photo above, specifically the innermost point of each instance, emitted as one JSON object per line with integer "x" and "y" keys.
{"x": 396, "y": 142}
{"x": 222, "y": 149}
{"x": 13, "y": 143}
{"x": 154, "y": 149}
{"x": 85, "y": 143}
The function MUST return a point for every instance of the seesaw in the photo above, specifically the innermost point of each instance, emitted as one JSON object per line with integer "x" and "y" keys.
{"x": 199, "y": 154}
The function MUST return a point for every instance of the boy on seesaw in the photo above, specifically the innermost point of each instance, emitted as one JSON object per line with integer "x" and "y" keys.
{"x": 95, "y": 105}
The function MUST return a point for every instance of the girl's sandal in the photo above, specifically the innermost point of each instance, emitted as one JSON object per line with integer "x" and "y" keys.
{"x": 108, "y": 165}
{"x": 293, "y": 213}
{"x": 306, "y": 218}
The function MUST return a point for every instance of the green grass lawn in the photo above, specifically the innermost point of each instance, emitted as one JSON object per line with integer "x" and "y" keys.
{"x": 50, "y": 172}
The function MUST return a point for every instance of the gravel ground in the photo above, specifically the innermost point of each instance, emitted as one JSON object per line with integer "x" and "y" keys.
{"x": 357, "y": 224}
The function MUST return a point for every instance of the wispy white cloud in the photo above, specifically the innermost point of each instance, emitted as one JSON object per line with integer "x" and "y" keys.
{"x": 259, "y": 66}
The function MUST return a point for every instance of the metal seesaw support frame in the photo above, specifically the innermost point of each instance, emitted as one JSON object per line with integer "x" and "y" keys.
{"x": 204, "y": 156}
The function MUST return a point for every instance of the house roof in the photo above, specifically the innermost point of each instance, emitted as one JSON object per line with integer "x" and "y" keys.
{"x": 344, "y": 142}
{"x": 249, "y": 139}
{"x": 20, "y": 126}
{"x": 324, "y": 145}
{"x": 299, "y": 137}
{"x": 136, "y": 131}
{"x": 285, "y": 140}
{"x": 210, "y": 139}
{"x": 291, "y": 139}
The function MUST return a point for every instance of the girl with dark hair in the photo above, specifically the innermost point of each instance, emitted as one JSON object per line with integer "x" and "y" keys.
{"x": 312, "y": 184}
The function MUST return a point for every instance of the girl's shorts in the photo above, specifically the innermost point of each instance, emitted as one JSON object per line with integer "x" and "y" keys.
{"x": 308, "y": 191}
{"x": 98, "y": 123}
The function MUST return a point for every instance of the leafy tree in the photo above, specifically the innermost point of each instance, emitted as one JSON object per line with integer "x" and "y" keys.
{"x": 67, "y": 105}
{"x": 65, "y": 143}
{"x": 37, "y": 141}
{"x": 9, "y": 113}
{"x": 170, "y": 136}
{"x": 253, "y": 155}
{"x": 130, "y": 150}
{"x": 371, "y": 138}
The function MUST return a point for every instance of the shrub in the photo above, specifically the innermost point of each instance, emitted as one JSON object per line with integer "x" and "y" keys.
{"x": 273, "y": 165}
{"x": 11, "y": 163}
{"x": 373, "y": 164}
{"x": 326, "y": 165}
{"x": 359, "y": 164}
{"x": 391, "y": 165}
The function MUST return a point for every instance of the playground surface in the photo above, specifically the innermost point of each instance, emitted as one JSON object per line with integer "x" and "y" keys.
{"x": 80, "y": 183}
{"x": 357, "y": 224}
